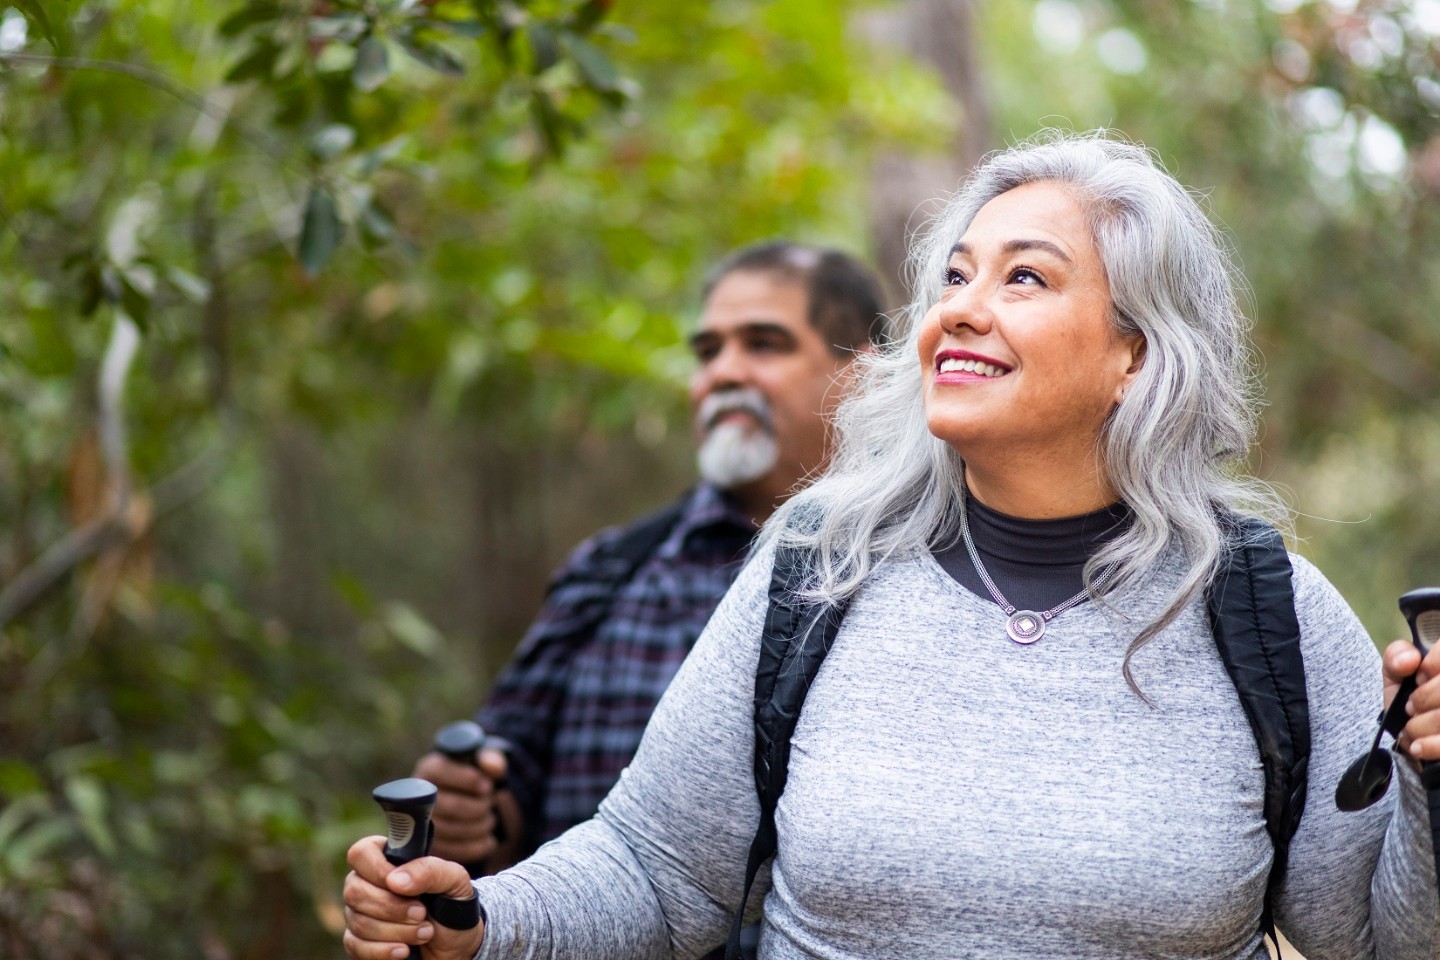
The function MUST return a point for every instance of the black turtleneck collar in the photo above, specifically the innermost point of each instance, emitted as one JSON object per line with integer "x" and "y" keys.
{"x": 1037, "y": 564}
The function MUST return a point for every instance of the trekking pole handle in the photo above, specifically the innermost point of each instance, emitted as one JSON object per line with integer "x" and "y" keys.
{"x": 461, "y": 742}
{"x": 1421, "y": 609}
{"x": 407, "y": 804}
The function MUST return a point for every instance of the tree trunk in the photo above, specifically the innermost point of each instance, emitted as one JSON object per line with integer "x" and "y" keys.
{"x": 905, "y": 187}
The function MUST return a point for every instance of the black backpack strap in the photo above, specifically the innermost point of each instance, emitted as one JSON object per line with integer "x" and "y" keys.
{"x": 638, "y": 542}
{"x": 1252, "y": 614}
{"x": 798, "y": 634}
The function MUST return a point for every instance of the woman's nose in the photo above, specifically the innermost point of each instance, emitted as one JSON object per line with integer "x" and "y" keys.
{"x": 965, "y": 307}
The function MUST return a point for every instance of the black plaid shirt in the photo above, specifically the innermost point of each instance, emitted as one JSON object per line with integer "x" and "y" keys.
{"x": 582, "y": 685}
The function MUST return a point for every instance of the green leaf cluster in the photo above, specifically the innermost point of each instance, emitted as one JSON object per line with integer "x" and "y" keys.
{"x": 411, "y": 282}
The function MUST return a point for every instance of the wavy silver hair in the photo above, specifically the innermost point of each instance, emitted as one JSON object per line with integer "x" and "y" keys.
{"x": 1171, "y": 449}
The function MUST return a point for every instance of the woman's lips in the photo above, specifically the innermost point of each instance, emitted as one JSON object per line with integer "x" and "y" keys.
{"x": 962, "y": 366}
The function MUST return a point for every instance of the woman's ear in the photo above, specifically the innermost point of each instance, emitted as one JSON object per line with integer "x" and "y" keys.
{"x": 1137, "y": 361}
{"x": 1137, "y": 354}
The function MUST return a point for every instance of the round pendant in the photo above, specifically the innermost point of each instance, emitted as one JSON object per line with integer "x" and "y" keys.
{"x": 1025, "y": 626}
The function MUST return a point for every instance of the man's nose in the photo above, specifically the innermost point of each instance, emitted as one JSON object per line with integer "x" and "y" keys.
{"x": 729, "y": 367}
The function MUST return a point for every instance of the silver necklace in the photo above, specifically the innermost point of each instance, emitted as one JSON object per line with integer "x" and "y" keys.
{"x": 1023, "y": 626}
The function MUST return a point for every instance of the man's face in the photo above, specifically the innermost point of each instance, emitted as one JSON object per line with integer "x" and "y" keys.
{"x": 764, "y": 386}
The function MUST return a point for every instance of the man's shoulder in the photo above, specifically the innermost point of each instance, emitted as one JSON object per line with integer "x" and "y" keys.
{"x": 614, "y": 552}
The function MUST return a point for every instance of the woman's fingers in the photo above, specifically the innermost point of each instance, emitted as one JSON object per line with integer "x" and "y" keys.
{"x": 380, "y": 938}
{"x": 382, "y": 916}
{"x": 1398, "y": 662}
{"x": 1421, "y": 736}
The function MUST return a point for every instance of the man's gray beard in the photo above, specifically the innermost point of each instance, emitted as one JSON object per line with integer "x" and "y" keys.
{"x": 734, "y": 454}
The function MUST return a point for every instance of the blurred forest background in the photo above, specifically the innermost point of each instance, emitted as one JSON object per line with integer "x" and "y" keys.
{"x": 327, "y": 327}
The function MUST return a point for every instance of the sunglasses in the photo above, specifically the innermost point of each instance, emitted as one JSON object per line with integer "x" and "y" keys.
{"x": 1369, "y": 777}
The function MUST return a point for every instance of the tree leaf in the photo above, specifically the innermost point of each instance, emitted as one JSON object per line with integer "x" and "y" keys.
{"x": 28, "y": 848}
{"x": 432, "y": 55}
{"x": 353, "y": 591}
{"x": 597, "y": 70}
{"x": 543, "y": 46}
{"x": 134, "y": 301}
{"x": 91, "y": 290}
{"x": 194, "y": 288}
{"x": 110, "y": 287}
{"x": 332, "y": 140}
{"x": 321, "y": 231}
{"x": 472, "y": 29}
{"x": 372, "y": 64}
{"x": 255, "y": 12}
{"x": 549, "y": 121}
{"x": 590, "y": 13}
{"x": 30, "y": 806}
{"x": 376, "y": 224}
{"x": 35, "y": 10}
{"x": 88, "y": 799}
{"x": 413, "y": 630}
{"x": 257, "y": 63}
{"x": 17, "y": 779}
{"x": 345, "y": 27}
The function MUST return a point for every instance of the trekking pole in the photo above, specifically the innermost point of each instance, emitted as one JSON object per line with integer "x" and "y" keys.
{"x": 1368, "y": 777}
{"x": 461, "y": 742}
{"x": 407, "y": 804}
{"x": 1422, "y": 611}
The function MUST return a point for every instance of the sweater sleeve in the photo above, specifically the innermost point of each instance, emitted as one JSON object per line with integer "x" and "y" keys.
{"x": 1361, "y": 884}
{"x": 658, "y": 872}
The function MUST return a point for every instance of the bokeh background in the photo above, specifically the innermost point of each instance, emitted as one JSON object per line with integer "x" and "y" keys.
{"x": 327, "y": 327}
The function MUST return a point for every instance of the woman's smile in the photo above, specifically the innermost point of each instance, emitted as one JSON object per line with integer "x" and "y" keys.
{"x": 962, "y": 366}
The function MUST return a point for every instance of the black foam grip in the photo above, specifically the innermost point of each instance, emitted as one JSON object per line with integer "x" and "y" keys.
{"x": 453, "y": 913}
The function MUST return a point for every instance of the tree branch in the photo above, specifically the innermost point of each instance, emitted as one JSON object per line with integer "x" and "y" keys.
{"x": 158, "y": 81}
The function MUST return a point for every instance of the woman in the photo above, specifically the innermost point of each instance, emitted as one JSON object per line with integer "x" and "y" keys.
{"x": 1055, "y": 426}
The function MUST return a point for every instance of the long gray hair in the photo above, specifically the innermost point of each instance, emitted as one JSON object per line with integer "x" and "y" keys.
{"x": 1170, "y": 449}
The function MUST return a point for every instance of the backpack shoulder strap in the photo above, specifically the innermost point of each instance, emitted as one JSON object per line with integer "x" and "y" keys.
{"x": 1251, "y": 603}
{"x": 641, "y": 539}
{"x": 797, "y": 636}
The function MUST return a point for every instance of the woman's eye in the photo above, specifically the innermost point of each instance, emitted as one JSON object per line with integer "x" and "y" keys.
{"x": 953, "y": 278}
{"x": 1024, "y": 275}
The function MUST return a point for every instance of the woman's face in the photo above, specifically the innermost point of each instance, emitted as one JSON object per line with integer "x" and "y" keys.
{"x": 1019, "y": 356}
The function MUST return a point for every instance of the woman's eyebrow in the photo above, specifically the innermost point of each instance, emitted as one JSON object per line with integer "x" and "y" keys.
{"x": 1018, "y": 246}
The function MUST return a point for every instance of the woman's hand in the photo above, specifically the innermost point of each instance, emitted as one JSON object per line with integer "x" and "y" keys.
{"x": 1420, "y": 739}
{"x": 382, "y": 916}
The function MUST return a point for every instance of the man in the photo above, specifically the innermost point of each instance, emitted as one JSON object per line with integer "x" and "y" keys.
{"x": 780, "y": 327}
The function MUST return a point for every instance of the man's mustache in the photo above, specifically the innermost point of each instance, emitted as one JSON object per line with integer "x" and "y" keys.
{"x": 743, "y": 400}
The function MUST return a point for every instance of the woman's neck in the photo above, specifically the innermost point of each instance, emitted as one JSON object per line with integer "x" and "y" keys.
{"x": 1039, "y": 490}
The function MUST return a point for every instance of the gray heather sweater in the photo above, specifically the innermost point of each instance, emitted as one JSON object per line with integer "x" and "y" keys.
{"x": 953, "y": 794}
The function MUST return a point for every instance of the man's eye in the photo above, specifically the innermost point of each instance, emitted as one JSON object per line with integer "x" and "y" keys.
{"x": 704, "y": 352}
{"x": 953, "y": 278}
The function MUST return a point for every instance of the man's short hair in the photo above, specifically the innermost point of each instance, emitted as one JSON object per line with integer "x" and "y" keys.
{"x": 842, "y": 294}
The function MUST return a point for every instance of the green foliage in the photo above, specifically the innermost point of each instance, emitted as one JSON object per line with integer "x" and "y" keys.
{"x": 330, "y": 325}
{"x": 1313, "y": 129}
